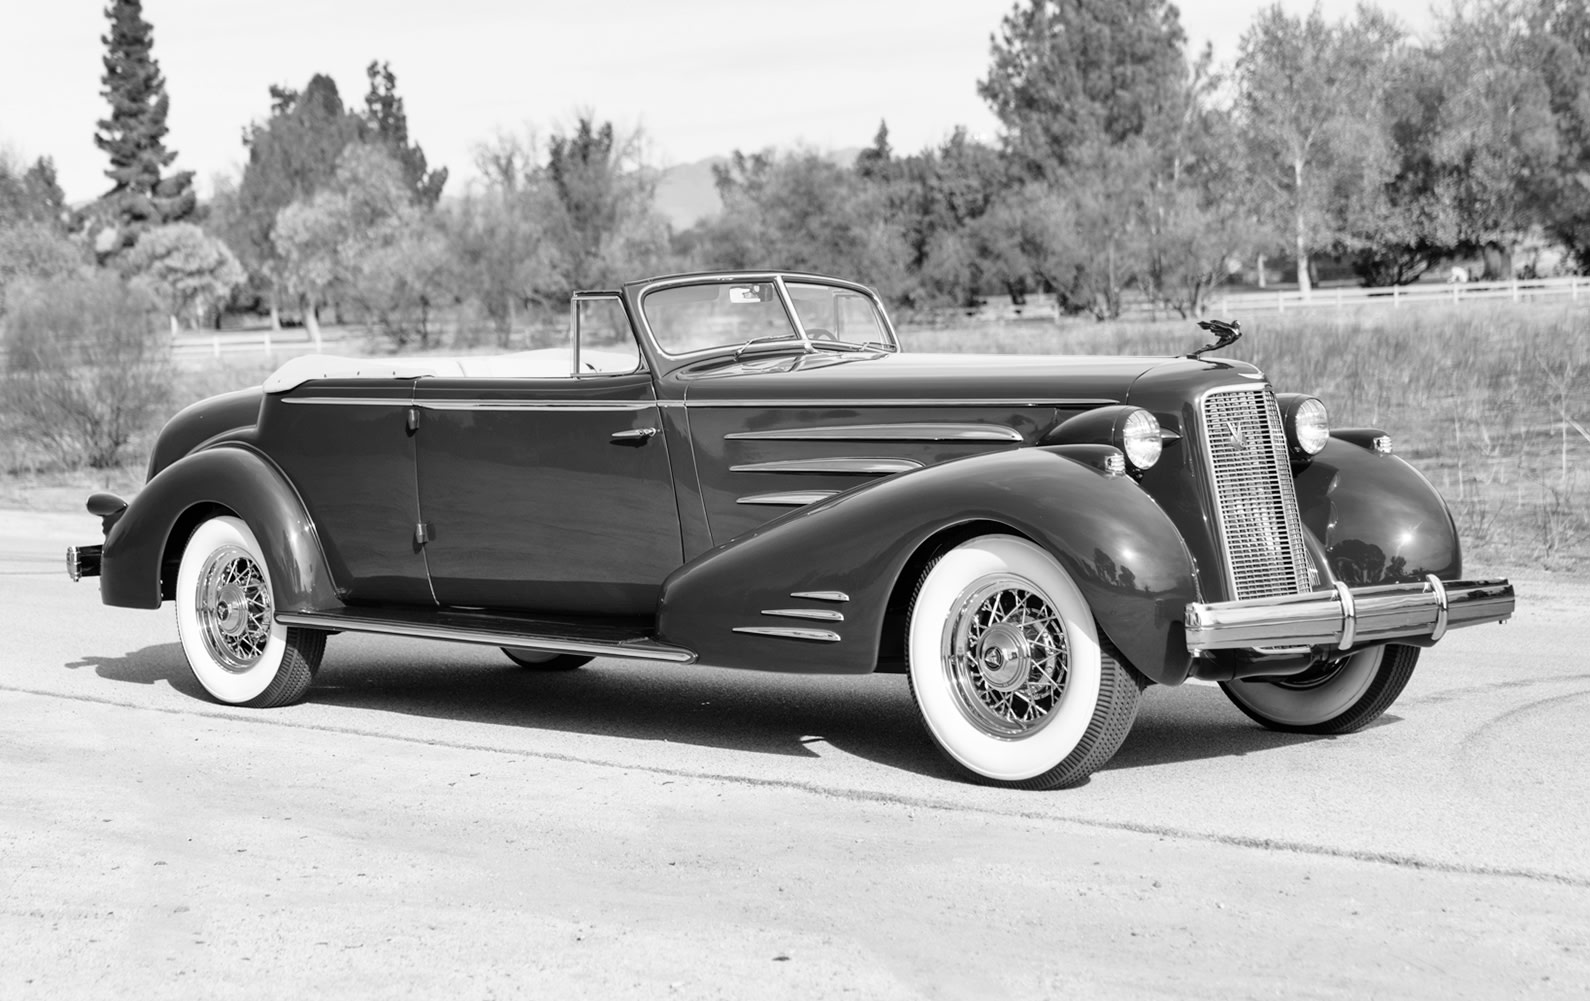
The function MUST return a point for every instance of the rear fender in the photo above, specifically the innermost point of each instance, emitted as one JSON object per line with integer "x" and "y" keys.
{"x": 844, "y": 556}
{"x": 144, "y": 545}
{"x": 1379, "y": 520}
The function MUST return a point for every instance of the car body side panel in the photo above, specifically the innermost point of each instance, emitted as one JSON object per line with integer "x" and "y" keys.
{"x": 231, "y": 477}
{"x": 1119, "y": 547}
{"x": 1379, "y": 519}
{"x": 348, "y": 448}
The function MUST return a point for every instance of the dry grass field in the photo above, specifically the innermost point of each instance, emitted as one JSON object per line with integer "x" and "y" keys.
{"x": 1492, "y": 402}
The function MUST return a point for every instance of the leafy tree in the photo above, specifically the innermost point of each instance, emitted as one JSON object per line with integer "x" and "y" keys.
{"x": 35, "y": 251}
{"x": 604, "y": 225}
{"x": 1561, "y": 33}
{"x": 804, "y": 212}
{"x": 498, "y": 235}
{"x": 1309, "y": 102}
{"x": 32, "y": 195}
{"x": 386, "y": 123}
{"x": 323, "y": 239}
{"x": 186, "y": 269}
{"x": 1498, "y": 138}
{"x": 291, "y": 156}
{"x": 1067, "y": 74}
{"x": 133, "y": 136}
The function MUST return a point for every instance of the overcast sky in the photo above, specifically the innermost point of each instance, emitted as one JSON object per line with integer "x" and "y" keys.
{"x": 700, "y": 77}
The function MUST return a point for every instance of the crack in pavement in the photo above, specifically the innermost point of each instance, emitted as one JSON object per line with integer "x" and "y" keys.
{"x": 1397, "y": 860}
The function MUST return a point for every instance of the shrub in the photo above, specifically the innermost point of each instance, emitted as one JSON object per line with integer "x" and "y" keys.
{"x": 87, "y": 366}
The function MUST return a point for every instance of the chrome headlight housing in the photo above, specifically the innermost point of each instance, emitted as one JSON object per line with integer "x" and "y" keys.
{"x": 1140, "y": 439}
{"x": 1307, "y": 423}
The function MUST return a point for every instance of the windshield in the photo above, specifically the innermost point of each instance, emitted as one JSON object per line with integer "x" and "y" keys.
{"x": 686, "y": 318}
{"x": 831, "y": 313}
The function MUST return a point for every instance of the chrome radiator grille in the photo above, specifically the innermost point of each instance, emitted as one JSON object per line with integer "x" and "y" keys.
{"x": 1255, "y": 503}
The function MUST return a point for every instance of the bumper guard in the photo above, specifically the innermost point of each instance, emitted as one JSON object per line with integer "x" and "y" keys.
{"x": 1348, "y": 616}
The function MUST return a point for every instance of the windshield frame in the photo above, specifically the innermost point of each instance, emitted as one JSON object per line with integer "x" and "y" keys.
{"x": 801, "y": 341}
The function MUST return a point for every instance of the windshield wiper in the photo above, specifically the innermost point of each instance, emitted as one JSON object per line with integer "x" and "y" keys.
{"x": 762, "y": 339}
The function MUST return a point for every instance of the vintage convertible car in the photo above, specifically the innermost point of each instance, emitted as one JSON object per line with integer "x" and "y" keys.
{"x": 744, "y": 469}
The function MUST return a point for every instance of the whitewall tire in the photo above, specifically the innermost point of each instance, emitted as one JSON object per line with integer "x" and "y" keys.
{"x": 1338, "y": 698}
{"x": 226, "y": 621}
{"x": 1007, "y": 669}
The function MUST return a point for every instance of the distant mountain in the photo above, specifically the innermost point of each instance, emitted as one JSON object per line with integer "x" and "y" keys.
{"x": 686, "y": 194}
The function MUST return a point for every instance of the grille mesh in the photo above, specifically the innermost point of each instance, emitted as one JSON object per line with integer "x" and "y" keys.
{"x": 1255, "y": 502}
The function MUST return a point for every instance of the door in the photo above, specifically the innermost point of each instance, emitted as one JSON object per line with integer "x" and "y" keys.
{"x": 548, "y": 494}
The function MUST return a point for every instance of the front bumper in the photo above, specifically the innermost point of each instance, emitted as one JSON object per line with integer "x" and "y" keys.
{"x": 1348, "y": 617}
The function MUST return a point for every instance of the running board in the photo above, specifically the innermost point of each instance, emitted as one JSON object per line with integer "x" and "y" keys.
{"x": 593, "y": 639}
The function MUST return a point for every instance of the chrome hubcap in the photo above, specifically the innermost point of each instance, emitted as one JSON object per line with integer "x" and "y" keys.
{"x": 1006, "y": 656}
{"x": 234, "y": 606}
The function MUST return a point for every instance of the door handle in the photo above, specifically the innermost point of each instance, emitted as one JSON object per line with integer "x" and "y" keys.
{"x": 636, "y": 436}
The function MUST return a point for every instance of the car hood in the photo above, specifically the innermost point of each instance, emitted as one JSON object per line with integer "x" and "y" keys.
{"x": 944, "y": 378}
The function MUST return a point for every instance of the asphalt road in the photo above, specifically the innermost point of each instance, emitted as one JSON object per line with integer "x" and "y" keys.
{"x": 434, "y": 822}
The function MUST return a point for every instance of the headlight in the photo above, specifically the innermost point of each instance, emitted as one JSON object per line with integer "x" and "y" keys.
{"x": 1140, "y": 439}
{"x": 1307, "y": 424}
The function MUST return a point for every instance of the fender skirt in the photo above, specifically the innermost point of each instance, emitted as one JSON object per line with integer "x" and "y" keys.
{"x": 820, "y": 578}
{"x": 232, "y": 477}
{"x": 1379, "y": 519}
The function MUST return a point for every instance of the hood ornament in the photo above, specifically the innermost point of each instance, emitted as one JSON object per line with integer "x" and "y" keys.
{"x": 1226, "y": 333}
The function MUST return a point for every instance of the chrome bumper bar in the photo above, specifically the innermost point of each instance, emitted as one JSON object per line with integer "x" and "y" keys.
{"x": 1348, "y": 617}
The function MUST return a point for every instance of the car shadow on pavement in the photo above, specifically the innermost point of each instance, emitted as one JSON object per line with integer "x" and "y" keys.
{"x": 1197, "y": 722}
{"x": 872, "y": 717}
{"x": 149, "y": 666}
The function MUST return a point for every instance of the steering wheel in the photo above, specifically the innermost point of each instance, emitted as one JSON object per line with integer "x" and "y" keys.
{"x": 820, "y": 334}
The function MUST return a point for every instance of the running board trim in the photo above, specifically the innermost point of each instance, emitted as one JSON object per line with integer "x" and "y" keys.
{"x": 633, "y": 649}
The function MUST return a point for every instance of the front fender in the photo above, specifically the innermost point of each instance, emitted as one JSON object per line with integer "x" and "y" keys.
{"x": 1379, "y": 520}
{"x": 1112, "y": 538}
{"x": 243, "y": 482}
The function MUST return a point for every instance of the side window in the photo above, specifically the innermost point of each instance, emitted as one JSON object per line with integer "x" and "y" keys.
{"x": 604, "y": 342}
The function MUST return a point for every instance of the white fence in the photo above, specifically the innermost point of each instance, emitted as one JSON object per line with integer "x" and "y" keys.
{"x": 1573, "y": 287}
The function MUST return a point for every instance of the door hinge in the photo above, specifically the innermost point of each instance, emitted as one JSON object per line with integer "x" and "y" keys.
{"x": 414, "y": 419}
{"x": 422, "y": 533}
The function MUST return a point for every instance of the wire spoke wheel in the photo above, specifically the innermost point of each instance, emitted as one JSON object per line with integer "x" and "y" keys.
{"x": 234, "y": 608}
{"x": 1006, "y": 655}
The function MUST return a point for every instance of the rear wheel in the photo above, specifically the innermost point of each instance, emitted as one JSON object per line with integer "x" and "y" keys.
{"x": 540, "y": 660}
{"x": 226, "y": 619}
{"x": 1340, "y": 697}
{"x": 1007, "y": 670}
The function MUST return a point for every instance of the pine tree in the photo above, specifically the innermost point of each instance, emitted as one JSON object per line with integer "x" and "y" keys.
{"x": 386, "y": 123}
{"x": 133, "y": 136}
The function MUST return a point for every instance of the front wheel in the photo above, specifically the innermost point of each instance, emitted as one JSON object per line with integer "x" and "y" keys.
{"x": 226, "y": 619}
{"x": 1340, "y": 697}
{"x": 1007, "y": 670}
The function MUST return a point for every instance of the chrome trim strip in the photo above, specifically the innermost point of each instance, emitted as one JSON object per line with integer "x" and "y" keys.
{"x": 885, "y": 432}
{"x": 817, "y": 635}
{"x": 632, "y": 649}
{"x": 1344, "y": 594}
{"x": 821, "y": 595}
{"x": 353, "y": 401}
{"x": 793, "y": 498}
{"x": 1441, "y": 609}
{"x": 838, "y": 464}
{"x": 593, "y": 405}
{"x": 826, "y": 614}
{"x": 1379, "y": 614}
{"x": 905, "y": 402}
{"x": 74, "y": 569}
